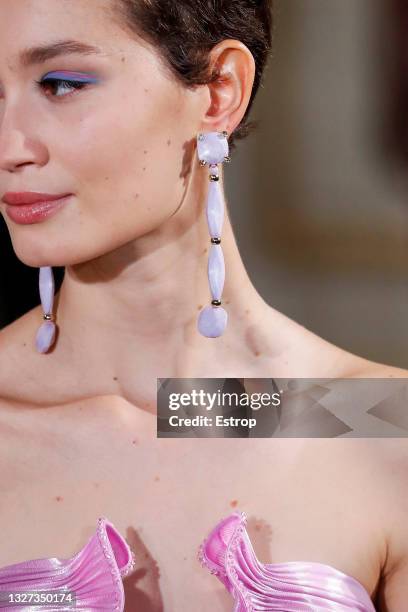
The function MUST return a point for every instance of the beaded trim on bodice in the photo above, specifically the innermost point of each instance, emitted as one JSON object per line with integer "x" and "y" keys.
{"x": 118, "y": 573}
{"x": 238, "y": 588}
{"x": 93, "y": 576}
{"x": 293, "y": 586}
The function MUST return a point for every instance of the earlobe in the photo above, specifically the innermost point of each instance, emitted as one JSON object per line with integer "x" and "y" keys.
{"x": 231, "y": 88}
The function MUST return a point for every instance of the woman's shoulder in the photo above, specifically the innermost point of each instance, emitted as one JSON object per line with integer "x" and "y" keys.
{"x": 354, "y": 366}
{"x": 391, "y": 473}
{"x": 313, "y": 356}
{"x": 376, "y": 470}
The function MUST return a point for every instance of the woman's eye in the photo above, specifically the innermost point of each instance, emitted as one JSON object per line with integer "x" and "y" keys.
{"x": 61, "y": 88}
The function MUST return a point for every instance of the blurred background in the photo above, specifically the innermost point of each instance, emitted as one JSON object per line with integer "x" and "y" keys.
{"x": 318, "y": 194}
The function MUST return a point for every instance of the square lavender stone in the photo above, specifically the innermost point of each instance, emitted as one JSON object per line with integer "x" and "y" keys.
{"x": 212, "y": 147}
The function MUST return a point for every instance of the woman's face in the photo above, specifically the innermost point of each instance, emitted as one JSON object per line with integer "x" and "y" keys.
{"x": 118, "y": 142}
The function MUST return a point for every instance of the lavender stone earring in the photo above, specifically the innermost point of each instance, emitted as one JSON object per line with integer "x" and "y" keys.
{"x": 213, "y": 149}
{"x": 46, "y": 333}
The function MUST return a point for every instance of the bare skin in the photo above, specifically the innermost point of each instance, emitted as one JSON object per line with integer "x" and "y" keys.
{"x": 341, "y": 502}
{"x": 135, "y": 244}
{"x": 136, "y": 270}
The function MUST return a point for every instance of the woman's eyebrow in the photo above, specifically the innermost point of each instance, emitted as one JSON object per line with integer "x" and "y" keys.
{"x": 42, "y": 53}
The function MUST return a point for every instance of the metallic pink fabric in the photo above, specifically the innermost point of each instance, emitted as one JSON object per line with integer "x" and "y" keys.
{"x": 95, "y": 574}
{"x": 294, "y": 586}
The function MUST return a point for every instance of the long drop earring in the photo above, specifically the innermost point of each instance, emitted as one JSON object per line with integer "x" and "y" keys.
{"x": 46, "y": 334}
{"x": 213, "y": 149}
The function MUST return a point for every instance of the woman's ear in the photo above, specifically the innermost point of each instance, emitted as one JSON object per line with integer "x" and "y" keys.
{"x": 230, "y": 91}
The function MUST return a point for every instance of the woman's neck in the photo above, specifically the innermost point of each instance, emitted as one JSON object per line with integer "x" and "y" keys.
{"x": 130, "y": 316}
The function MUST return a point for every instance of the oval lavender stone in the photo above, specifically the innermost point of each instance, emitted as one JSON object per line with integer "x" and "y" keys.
{"x": 215, "y": 210}
{"x": 45, "y": 336}
{"x": 216, "y": 271}
{"x": 212, "y": 321}
{"x": 47, "y": 288}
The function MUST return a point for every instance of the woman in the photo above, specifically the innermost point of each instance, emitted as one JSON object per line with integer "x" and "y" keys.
{"x": 338, "y": 502}
{"x": 79, "y": 422}
{"x": 133, "y": 235}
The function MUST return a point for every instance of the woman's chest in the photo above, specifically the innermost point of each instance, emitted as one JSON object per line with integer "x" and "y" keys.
{"x": 164, "y": 496}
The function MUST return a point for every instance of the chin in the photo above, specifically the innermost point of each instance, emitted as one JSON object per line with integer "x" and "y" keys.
{"x": 59, "y": 250}
{"x": 34, "y": 261}
{"x": 38, "y": 256}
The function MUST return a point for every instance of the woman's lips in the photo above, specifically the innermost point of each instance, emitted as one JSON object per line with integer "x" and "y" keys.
{"x": 24, "y": 214}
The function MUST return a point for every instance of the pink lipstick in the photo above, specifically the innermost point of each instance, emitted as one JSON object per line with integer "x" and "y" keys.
{"x": 28, "y": 207}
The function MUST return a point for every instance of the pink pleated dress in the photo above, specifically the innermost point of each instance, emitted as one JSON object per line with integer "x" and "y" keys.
{"x": 293, "y": 586}
{"x": 94, "y": 574}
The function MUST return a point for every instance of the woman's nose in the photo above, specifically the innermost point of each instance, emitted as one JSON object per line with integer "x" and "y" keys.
{"x": 18, "y": 147}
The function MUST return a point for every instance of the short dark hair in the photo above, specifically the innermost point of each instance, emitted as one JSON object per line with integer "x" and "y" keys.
{"x": 186, "y": 30}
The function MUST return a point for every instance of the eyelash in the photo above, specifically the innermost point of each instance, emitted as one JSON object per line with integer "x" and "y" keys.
{"x": 77, "y": 85}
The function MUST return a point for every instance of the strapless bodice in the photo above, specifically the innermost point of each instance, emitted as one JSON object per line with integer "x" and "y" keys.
{"x": 94, "y": 575}
{"x": 293, "y": 586}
